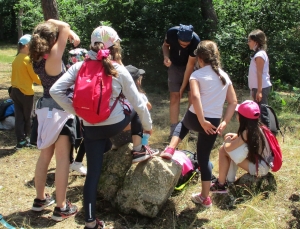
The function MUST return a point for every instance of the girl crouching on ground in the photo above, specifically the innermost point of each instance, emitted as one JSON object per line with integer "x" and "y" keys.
{"x": 248, "y": 149}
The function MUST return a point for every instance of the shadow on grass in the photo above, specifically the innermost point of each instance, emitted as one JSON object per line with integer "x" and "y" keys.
{"x": 6, "y": 152}
{"x": 188, "y": 218}
{"x": 295, "y": 210}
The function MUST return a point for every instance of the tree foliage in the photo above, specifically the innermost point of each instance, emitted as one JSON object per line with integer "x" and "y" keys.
{"x": 142, "y": 25}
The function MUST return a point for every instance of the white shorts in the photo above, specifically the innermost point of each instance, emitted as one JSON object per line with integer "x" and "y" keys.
{"x": 240, "y": 154}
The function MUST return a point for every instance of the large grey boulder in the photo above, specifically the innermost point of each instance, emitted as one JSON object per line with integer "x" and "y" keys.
{"x": 143, "y": 187}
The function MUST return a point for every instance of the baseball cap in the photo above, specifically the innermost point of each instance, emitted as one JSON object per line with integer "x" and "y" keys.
{"x": 185, "y": 33}
{"x": 24, "y": 40}
{"x": 135, "y": 72}
{"x": 106, "y": 35}
{"x": 248, "y": 109}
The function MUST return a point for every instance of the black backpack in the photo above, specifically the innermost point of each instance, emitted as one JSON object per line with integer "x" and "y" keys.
{"x": 3, "y": 106}
{"x": 269, "y": 118}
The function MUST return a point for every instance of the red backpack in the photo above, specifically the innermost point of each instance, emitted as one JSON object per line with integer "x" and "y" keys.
{"x": 275, "y": 148}
{"x": 92, "y": 92}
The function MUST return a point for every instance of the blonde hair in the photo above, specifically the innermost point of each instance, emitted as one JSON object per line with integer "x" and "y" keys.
{"x": 43, "y": 38}
{"x": 209, "y": 53}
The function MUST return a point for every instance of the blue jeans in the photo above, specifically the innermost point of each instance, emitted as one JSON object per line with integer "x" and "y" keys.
{"x": 96, "y": 141}
{"x": 205, "y": 142}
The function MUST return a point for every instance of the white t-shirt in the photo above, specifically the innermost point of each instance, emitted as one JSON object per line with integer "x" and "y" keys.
{"x": 252, "y": 76}
{"x": 212, "y": 91}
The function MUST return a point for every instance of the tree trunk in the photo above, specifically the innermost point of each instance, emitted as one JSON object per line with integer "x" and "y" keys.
{"x": 50, "y": 9}
{"x": 210, "y": 16}
{"x": 19, "y": 24}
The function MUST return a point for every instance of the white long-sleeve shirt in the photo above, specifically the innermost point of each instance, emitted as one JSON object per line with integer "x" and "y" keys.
{"x": 123, "y": 82}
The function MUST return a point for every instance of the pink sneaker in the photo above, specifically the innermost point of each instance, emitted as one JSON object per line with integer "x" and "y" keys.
{"x": 198, "y": 199}
{"x": 168, "y": 153}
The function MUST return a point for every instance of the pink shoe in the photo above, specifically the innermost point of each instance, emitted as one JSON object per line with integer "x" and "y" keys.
{"x": 198, "y": 199}
{"x": 168, "y": 153}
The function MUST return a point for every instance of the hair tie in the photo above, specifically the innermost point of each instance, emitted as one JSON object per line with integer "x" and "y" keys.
{"x": 102, "y": 53}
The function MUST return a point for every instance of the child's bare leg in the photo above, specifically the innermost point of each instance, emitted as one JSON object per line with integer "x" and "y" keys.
{"x": 62, "y": 151}
{"x": 41, "y": 170}
{"x": 224, "y": 163}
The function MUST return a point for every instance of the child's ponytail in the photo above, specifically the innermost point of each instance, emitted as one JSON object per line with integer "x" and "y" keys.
{"x": 209, "y": 53}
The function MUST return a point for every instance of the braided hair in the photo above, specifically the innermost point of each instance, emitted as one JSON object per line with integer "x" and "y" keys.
{"x": 209, "y": 53}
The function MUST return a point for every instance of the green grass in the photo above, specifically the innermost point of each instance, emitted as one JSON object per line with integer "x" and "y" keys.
{"x": 7, "y": 53}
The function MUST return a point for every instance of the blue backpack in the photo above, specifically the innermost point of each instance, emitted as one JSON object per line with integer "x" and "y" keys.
{"x": 7, "y": 108}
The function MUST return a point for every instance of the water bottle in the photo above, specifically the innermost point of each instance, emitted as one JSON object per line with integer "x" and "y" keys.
{"x": 145, "y": 139}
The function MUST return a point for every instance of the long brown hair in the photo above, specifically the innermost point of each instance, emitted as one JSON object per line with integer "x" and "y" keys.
{"x": 255, "y": 140}
{"x": 209, "y": 53}
{"x": 114, "y": 53}
{"x": 43, "y": 38}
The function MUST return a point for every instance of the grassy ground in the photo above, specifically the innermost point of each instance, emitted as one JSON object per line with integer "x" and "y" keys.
{"x": 279, "y": 210}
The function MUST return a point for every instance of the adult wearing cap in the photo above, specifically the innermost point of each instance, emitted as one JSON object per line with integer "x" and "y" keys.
{"x": 105, "y": 46}
{"x": 22, "y": 79}
{"x": 247, "y": 149}
{"x": 178, "y": 50}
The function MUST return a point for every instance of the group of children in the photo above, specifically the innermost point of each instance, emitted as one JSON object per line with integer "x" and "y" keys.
{"x": 41, "y": 63}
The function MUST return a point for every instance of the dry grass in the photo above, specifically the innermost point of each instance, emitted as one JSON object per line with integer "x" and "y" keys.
{"x": 279, "y": 210}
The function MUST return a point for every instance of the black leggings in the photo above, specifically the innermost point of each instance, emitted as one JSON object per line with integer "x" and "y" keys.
{"x": 205, "y": 142}
{"x": 96, "y": 139}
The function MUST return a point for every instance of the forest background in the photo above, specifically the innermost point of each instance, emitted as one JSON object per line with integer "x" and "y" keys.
{"x": 142, "y": 26}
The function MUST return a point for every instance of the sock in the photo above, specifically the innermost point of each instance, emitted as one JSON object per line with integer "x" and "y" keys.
{"x": 220, "y": 184}
{"x": 137, "y": 148}
{"x": 91, "y": 224}
{"x": 64, "y": 208}
{"x": 201, "y": 197}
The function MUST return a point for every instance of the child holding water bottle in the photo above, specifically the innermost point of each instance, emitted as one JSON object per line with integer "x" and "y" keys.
{"x": 137, "y": 76}
{"x": 125, "y": 136}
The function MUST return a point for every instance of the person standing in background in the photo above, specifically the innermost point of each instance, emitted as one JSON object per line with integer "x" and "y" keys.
{"x": 259, "y": 77}
{"x": 22, "y": 79}
{"x": 178, "y": 50}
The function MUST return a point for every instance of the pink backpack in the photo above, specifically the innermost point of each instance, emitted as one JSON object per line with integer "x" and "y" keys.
{"x": 92, "y": 92}
{"x": 275, "y": 148}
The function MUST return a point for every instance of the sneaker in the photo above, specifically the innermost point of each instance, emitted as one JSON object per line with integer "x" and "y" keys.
{"x": 145, "y": 153}
{"x": 99, "y": 225}
{"x": 168, "y": 153}
{"x": 59, "y": 215}
{"x": 218, "y": 188}
{"x": 78, "y": 167}
{"x": 198, "y": 199}
{"x": 39, "y": 205}
{"x": 23, "y": 144}
{"x": 213, "y": 178}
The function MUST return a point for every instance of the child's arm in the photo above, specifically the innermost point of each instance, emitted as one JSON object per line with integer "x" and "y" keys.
{"x": 231, "y": 135}
{"x": 34, "y": 77}
{"x": 231, "y": 144}
{"x": 149, "y": 106}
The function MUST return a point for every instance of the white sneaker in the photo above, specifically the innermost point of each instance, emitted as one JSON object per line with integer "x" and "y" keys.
{"x": 78, "y": 167}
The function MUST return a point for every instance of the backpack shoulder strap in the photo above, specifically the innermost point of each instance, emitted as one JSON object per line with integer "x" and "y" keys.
{"x": 276, "y": 121}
